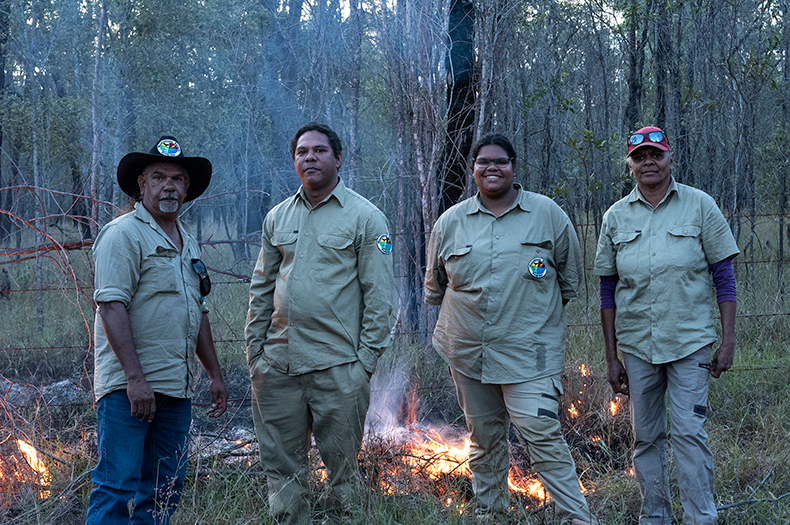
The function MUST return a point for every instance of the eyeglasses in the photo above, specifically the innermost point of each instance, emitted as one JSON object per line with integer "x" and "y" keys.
{"x": 202, "y": 271}
{"x": 500, "y": 162}
{"x": 654, "y": 136}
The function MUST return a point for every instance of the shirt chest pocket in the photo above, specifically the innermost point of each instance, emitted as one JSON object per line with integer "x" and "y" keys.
{"x": 684, "y": 247}
{"x": 535, "y": 259}
{"x": 459, "y": 265}
{"x": 626, "y": 246}
{"x": 162, "y": 271}
{"x": 336, "y": 256}
{"x": 285, "y": 242}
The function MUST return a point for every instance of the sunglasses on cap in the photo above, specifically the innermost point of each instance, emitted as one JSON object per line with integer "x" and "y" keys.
{"x": 202, "y": 271}
{"x": 654, "y": 136}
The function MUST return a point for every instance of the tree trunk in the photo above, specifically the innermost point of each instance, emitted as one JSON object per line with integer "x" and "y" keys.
{"x": 355, "y": 66}
{"x": 96, "y": 149}
{"x": 461, "y": 100}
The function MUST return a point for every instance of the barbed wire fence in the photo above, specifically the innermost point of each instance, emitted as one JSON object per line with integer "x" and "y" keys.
{"x": 69, "y": 261}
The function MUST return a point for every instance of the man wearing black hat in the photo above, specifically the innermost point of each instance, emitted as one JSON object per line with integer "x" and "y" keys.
{"x": 151, "y": 326}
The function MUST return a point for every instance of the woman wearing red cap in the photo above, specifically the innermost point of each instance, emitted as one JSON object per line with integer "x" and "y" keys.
{"x": 661, "y": 250}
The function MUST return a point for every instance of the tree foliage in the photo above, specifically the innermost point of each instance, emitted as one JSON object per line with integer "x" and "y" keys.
{"x": 408, "y": 84}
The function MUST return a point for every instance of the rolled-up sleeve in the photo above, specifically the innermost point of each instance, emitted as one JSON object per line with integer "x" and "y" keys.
{"x": 118, "y": 260}
{"x": 605, "y": 254}
{"x": 718, "y": 242}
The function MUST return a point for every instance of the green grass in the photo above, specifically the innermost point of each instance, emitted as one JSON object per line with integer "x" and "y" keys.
{"x": 749, "y": 417}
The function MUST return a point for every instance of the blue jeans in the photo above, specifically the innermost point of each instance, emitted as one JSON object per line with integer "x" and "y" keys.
{"x": 139, "y": 460}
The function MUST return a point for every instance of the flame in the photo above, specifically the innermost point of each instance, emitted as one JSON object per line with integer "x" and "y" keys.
{"x": 614, "y": 406}
{"x": 573, "y": 411}
{"x": 531, "y": 486}
{"x": 584, "y": 370}
{"x": 437, "y": 458}
{"x": 38, "y": 466}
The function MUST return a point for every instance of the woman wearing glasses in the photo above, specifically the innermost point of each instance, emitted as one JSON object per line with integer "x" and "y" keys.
{"x": 660, "y": 250}
{"x": 502, "y": 265}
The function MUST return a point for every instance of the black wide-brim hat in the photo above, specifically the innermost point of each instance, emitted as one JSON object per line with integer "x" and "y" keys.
{"x": 166, "y": 149}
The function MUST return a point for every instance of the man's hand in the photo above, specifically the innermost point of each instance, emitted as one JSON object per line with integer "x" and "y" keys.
{"x": 141, "y": 397}
{"x": 617, "y": 376}
{"x": 722, "y": 359}
{"x": 219, "y": 398}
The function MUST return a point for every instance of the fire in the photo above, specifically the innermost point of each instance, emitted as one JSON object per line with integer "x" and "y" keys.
{"x": 573, "y": 411}
{"x": 584, "y": 370}
{"x": 38, "y": 466}
{"x": 614, "y": 406}
{"x": 437, "y": 459}
{"x": 531, "y": 486}
{"x": 425, "y": 455}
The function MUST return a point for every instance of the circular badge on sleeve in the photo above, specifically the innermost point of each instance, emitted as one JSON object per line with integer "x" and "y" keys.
{"x": 384, "y": 244}
{"x": 537, "y": 267}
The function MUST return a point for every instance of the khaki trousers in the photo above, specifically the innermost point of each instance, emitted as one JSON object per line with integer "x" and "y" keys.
{"x": 329, "y": 403}
{"x": 687, "y": 385}
{"x": 532, "y": 407}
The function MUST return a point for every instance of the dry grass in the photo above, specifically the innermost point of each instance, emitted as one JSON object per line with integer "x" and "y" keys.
{"x": 749, "y": 420}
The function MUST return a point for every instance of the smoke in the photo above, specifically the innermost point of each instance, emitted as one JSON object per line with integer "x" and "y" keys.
{"x": 387, "y": 391}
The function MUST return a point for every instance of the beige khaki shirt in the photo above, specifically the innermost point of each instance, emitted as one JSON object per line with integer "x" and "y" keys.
{"x": 138, "y": 265}
{"x": 664, "y": 293}
{"x": 500, "y": 283}
{"x": 321, "y": 294}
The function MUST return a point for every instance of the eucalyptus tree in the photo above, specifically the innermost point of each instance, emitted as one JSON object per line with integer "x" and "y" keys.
{"x": 413, "y": 38}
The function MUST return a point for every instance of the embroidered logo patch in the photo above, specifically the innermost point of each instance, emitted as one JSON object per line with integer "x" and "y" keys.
{"x": 537, "y": 267}
{"x": 169, "y": 148}
{"x": 385, "y": 244}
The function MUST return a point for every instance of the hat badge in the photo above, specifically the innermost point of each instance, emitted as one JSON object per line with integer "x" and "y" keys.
{"x": 168, "y": 148}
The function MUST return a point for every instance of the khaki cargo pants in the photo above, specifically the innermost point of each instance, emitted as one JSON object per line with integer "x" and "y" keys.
{"x": 533, "y": 408}
{"x": 331, "y": 404}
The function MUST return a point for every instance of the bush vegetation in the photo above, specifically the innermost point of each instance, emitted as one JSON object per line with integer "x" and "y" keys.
{"x": 749, "y": 416}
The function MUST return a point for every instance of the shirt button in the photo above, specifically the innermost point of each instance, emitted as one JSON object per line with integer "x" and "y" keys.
{"x": 496, "y": 237}
{"x": 301, "y": 256}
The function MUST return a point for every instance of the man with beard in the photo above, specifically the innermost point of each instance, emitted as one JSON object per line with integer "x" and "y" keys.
{"x": 151, "y": 327}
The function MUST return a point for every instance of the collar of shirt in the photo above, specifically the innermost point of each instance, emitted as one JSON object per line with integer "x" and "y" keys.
{"x": 142, "y": 214}
{"x": 339, "y": 192}
{"x": 636, "y": 195}
{"x": 522, "y": 201}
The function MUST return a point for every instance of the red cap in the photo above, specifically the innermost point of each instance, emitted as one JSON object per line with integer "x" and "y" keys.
{"x": 662, "y": 145}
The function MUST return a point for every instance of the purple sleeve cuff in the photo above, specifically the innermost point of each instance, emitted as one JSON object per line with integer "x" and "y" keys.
{"x": 723, "y": 277}
{"x": 608, "y": 283}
